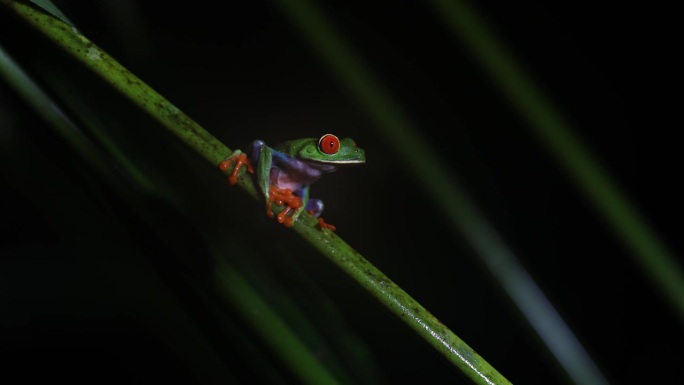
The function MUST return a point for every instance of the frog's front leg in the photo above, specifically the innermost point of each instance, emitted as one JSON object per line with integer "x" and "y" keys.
{"x": 237, "y": 159}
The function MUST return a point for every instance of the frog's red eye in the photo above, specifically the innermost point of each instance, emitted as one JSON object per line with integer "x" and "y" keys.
{"x": 329, "y": 144}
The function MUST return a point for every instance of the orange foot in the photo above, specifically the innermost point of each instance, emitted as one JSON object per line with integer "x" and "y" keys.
{"x": 322, "y": 224}
{"x": 283, "y": 197}
{"x": 239, "y": 160}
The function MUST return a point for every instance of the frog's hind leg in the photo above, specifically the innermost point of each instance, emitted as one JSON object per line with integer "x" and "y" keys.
{"x": 314, "y": 207}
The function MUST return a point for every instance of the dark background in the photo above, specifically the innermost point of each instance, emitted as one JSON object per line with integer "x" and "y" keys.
{"x": 88, "y": 289}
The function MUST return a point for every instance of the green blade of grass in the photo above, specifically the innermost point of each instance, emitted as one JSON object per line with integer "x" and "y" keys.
{"x": 331, "y": 246}
{"x": 330, "y": 337}
{"x": 268, "y": 324}
{"x": 649, "y": 251}
{"x": 50, "y": 8}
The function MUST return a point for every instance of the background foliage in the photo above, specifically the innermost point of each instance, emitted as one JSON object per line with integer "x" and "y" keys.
{"x": 89, "y": 291}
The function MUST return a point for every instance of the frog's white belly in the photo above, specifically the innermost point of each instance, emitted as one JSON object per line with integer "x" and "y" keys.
{"x": 293, "y": 181}
{"x": 283, "y": 182}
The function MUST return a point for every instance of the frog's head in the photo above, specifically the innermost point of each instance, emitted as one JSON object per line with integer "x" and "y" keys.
{"x": 329, "y": 149}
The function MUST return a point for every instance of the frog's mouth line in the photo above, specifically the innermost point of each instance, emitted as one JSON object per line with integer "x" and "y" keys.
{"x": 351, "y": 161}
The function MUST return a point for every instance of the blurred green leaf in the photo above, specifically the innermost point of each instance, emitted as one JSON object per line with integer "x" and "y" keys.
{"x": 50, "y": 8}
{"x": 657, "y": 259}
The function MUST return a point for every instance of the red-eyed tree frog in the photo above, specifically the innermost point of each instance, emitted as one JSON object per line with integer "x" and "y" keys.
{"x": 285, "y": 172}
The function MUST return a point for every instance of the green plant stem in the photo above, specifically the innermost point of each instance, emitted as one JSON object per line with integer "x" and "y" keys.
{"x": 401, "y": 304}
{"x": 351, "y": 262}
{"x": 231, "y": 285}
